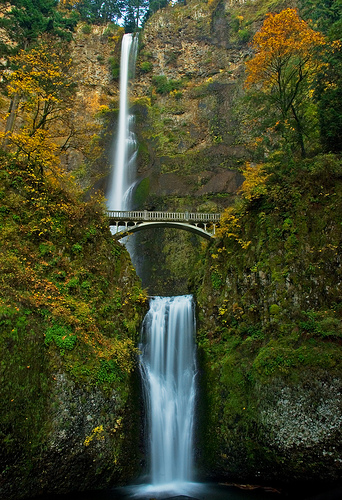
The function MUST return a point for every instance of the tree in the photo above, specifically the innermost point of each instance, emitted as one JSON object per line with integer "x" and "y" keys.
{"x": 24, "y": 23}
{"x": 283, "y": 68}
{"x": 42, "y": 84}
{"x": 154, "y": 6}
{"x": 327, "y": 16}
{"x": 134, "y": 13}
{"x": 27, "y": 20}
{"x": 98, "y": 11}
{"x": 42, "y": 80}
{"x": 328, "y": 96}
{"x": 322, "y": 13}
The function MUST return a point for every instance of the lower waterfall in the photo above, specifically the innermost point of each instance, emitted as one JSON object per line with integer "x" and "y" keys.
{"x": 168, "y": 367}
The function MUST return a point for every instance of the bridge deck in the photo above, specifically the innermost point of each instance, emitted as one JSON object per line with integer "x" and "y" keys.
{"x": 144, "y": 215}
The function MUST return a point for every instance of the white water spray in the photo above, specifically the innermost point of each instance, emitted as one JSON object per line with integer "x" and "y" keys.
{"x": 123, "y": 167}
{"x": 168, "y": 368}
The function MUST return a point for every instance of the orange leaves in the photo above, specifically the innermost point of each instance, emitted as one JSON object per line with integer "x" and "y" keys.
{"x": 283, "y": 40}
{"x": 282, "y": 72}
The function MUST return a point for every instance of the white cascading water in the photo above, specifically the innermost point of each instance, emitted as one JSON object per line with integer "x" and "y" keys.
{"x": 123, "y": 171}
{"x": 168, "y": 363}
{"x": 168, "y": 367}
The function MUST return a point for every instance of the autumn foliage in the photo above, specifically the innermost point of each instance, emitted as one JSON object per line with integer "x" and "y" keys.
{"x": 284, "y": 50}
{"x": 42, "y": 89}
{"x": 283, "y": 68}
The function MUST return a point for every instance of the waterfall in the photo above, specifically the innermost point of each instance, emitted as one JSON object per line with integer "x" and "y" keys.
{"x": 168, "y": 368}
{"x": 123, "y": 164}
{"x": 167, "y": 358}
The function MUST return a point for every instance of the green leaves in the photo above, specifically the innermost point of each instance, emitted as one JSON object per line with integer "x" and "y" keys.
{"x": 61, "y": 336}
{"x": 29, "y": 19}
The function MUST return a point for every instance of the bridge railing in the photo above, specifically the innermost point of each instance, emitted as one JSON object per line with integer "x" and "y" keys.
{"x": 145, "y": 215}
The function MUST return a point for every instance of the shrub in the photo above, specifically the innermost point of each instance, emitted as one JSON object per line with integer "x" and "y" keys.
{"x": 86, "y": 29}
{"x": 109, "y": 372}
{"x": 114, "y": 67}
{"x": 76, "y": 248}
{"x": 146, "y": 67}
{"x": 165, "y": 86}
{"x": 244, "y": 35}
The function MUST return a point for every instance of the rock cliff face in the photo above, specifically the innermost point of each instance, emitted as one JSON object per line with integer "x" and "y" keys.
{"x": 95, "y": 52}
{"x": 271, "y": 375}
{"x": 190, "y": 134}
{"x": 269, "y": 328}
{"x": 188, "y": 77}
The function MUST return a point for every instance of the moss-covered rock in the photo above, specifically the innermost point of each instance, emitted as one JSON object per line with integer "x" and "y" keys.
{"x": 270, "y": 323}
{"x": 70, "y": 312}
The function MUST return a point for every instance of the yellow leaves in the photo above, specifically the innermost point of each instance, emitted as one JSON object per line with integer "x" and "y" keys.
{"x": 230, "y": 227}
{"x": 120, "y": 350}
{"x": 97, "y": 433}
{"x": 254, "y": 185}
{"x": 229, "y": 224}
{"x": 42, "y": 87}
{"x": 119, "y": 34}
{"x": 117, "y": 424}
{"x": 39, "y": 73}
{"x": 37, "y": 148}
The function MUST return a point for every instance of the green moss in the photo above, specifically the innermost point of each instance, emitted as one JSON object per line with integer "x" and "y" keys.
{"x": 114, "y": 64}
{"x": 277, "y": 314}
{"x": 70, "y": 306}
{"x": 163, "y": 85}
{"x": 61, "y": 336}
{"x": 274, "y": 309}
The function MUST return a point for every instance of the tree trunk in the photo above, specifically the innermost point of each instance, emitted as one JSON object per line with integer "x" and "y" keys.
{"x": 11, "y": 119}
{"x": 299, "y": 132}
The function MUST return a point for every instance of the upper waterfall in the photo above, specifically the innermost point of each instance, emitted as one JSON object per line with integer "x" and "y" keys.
{"x": 123, "y": 162}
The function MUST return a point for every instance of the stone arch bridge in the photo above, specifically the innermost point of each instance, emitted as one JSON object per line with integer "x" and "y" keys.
{"x": 128, "y": 222}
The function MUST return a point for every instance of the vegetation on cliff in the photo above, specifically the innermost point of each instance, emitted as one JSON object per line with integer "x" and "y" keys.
{"x": 70, "y": 301}
{"x": 70, "y": 306}
{"x": 270, "y": 312}
{"x": 268, "y": 291}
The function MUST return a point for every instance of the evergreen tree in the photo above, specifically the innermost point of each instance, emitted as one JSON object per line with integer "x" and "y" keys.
{"x": 98, "y": 11}
{"x": 27, "y": 20}
{"x": 154, "y": 6}
{"x": 322, "y": 13}
{"x": 326, "y": 15}
{"x": 135, "y": 12}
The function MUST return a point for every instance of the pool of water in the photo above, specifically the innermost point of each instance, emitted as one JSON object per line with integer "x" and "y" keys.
{"x": 203, "y": 491}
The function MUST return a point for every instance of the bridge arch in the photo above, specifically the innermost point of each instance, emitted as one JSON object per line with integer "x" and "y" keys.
{"x": 127, "y": 222}
{"x": 148, "y": 225}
